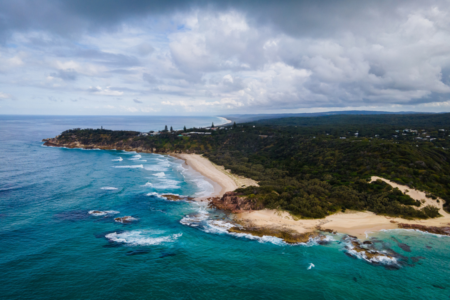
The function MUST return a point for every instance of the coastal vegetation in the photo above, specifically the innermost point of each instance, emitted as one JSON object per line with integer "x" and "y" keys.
{"x": 313, "y": 167}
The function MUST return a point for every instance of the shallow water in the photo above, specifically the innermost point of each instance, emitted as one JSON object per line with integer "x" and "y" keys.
{"x": 52, "y": 247}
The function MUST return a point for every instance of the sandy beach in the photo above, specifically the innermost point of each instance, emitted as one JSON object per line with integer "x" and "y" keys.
{"x": 222, "y": 180}
{"x": 356, "y": 223}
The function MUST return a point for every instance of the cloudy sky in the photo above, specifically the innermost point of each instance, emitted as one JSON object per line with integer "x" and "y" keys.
{"x": 178, "y": 57}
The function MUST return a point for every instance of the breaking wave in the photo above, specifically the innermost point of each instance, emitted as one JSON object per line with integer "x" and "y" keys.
{"x": 118, "y": 159}
{"x": 103, "y": 213}
{"x": 136, "y": 157}
{"x": 109, "y": 188}
{"x": 129, "y": 167}
{"x": 140, "y": 238}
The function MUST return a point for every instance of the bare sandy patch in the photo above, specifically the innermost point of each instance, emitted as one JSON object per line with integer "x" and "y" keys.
{"x": 360, "y": 224}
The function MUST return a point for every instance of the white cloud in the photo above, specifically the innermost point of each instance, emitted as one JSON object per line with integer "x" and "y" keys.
{"x": 212, "y": 60}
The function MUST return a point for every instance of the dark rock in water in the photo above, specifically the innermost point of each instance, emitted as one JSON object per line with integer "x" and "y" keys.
{"x": 417, "y": 258}
{"x": 125, "y": 220}
{"x": 392, "y": 267}
{"x": 102, "y": 234}
{"x": 172, "y": 197}
{"x": 167, "y": 254}
{"x": 367, "y": 251}
{"x": 111, "y": 245}
{"x": 137, "y": 252}
{"x": 438, "y": 286}
{"x": 367, "y": 243}
{"x": 428, "y": 247}
{"x": 326, "y": 230}
{"x": 74, "y": 215}
{"x": 352, "y": 236}
{"x": 354, "y": 279}
{"x": 403, "y": 246}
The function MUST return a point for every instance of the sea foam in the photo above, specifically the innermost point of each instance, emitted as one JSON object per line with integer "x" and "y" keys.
{"x": 129, "y": 167}
{"x": 109, "y": 188}
{"x": 140, "y": 238}
{"x": 103, "y": 213}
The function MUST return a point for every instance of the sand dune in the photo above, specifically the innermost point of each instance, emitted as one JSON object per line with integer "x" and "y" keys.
{"x": 355, "y": 223}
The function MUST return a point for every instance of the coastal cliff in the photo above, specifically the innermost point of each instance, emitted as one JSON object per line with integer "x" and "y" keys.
{"x": 235, "y": 202}
{"x": 128, "y": 144}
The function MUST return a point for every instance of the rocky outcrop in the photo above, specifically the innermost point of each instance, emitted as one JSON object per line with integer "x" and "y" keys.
{"x": 125, "y": 220}
{"x": 172, "y": 197}
{"x": 235, "y": 202}
{"x": 430, "y": 229}
{"x": 289, "y": 236}
{"x": 365, "y": 250}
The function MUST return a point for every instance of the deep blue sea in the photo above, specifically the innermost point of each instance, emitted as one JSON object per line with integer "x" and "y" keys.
{"x": 53, "y": 247}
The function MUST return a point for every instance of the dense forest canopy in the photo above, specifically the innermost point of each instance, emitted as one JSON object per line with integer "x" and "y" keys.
{"x": 305, "y": 166}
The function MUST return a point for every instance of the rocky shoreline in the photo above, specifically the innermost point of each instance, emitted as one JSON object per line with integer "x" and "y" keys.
{"x": 230, "y": 201}
{"x": 129, "y": 145}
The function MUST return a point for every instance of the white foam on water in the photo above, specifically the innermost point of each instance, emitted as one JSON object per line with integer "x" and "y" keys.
{"x": 156, "y": 168}
{"x": 161, "y": 174}
{"x": 196, "y": 219}
{"x": 136, "y": 157}
{"x": 311, "y": 265}
{"x": 205, "y": 188}
{"x": 109, "y": 188}
{"x": 129, "y": 167}
{"x": 166, "y": 184}
{"x": 118, "y": 159}
{"x": 148, "y": 184}
{"x": 381, "y": 258}
{"x": 155, "y": 194}
{"x": 141, "y": 238}
{"x": 416, "y": 230}
{"x": 202, "y": 221}
{"x": 103, "y": 213}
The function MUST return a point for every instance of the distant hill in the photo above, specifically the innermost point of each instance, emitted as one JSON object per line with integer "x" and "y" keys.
{"x": 242, "y": 118}
{"x": 401, "y": 120}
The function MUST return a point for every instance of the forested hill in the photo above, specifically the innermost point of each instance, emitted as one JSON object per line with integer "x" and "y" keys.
{"x": 401, "y": 120}
{"x": 309, "y": 170}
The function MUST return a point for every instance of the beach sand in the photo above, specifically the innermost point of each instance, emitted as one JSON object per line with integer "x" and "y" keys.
{"x": 356, "y": 223}
{"x": 222, "y": 180}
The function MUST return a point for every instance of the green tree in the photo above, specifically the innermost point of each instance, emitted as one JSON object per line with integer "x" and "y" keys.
{"x": 185, "y": 130}
{"x": 165, "y": 129}
{"x": 234, "y": 125}
{"x": 212, "y": 126}
{"x": 171, "y": 129}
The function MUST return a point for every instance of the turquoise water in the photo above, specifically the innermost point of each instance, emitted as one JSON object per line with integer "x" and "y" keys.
{"x": 52, "y": 248}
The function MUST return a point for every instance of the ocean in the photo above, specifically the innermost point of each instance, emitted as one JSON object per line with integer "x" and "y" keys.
{"x": 53, "y": 246}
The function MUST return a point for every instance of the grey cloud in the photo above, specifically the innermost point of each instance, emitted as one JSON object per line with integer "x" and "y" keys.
{"x": 265, "y": 54}
{"x": 149, "y": 78}
{"x": 145, "y": 49}
{"x": 137, "y": 101}
{"x": 68, "y": 75}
